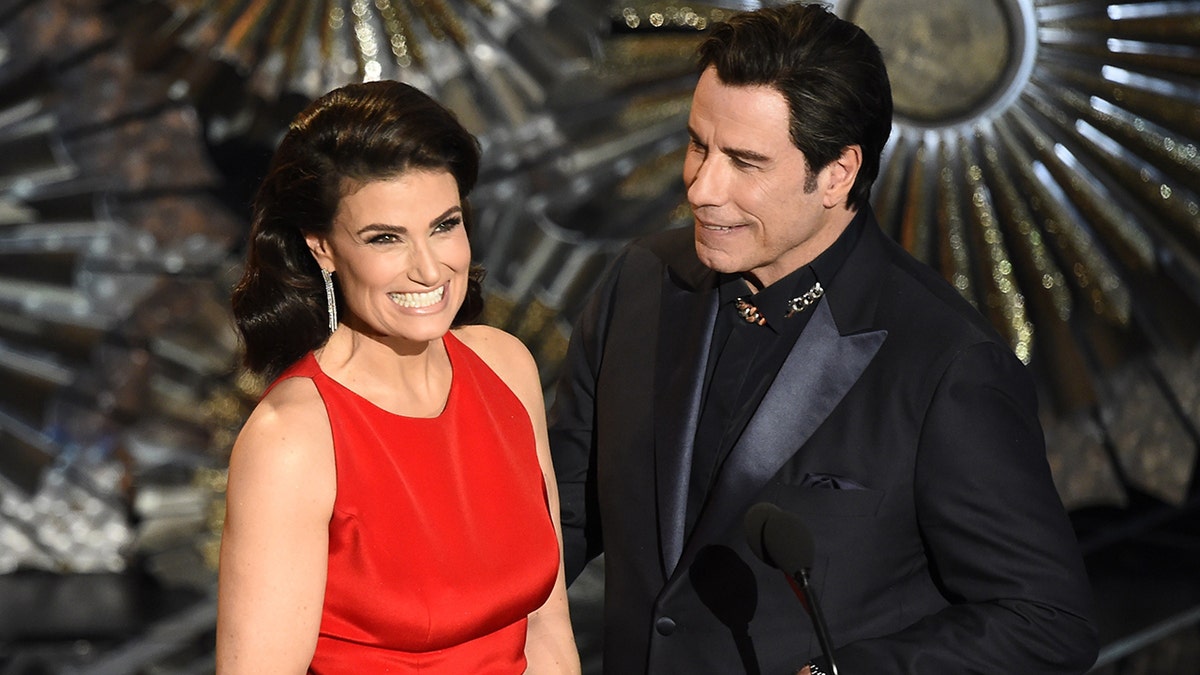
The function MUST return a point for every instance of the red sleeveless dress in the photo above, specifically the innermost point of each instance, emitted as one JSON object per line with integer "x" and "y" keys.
{"x": 441, "y": 541}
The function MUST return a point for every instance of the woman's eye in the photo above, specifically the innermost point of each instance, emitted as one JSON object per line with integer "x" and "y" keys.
{"x": 382, "y": 238}
{"x": 448, "y": 224}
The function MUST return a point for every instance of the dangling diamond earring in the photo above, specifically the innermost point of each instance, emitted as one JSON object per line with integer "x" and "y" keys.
{"x": 330, "y": 301}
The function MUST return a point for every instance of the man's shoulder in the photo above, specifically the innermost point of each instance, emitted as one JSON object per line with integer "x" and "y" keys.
{"x": 674, "y": 249}
{"x": 915, "y": 297}
{"x": 935, "y": 321}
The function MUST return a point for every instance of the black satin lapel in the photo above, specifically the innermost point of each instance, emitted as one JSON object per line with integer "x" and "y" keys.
{"x": 821, "y": 368}
{"x": 685, "y": 335}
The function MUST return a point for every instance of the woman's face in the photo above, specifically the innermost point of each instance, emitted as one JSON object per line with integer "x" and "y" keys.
{"x": 400, "y": 255}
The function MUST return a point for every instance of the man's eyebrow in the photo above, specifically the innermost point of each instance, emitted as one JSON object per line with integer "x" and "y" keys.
{"x": 745, "y": 155}
{"x": 742, "y": 154}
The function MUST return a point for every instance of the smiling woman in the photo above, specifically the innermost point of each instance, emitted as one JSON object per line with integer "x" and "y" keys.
{"x": 397, "y": 447}
{"x": 400, "y": 254}
{"x": 355, "y": 139}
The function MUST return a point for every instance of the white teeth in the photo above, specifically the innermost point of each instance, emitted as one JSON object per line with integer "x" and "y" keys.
{"x": 416, "y": 300}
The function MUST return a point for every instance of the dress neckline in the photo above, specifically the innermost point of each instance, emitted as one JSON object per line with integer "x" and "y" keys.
{"x": 446, "y": 406}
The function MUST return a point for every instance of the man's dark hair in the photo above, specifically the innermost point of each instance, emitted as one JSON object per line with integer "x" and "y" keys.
{"x": 829, "y": 71}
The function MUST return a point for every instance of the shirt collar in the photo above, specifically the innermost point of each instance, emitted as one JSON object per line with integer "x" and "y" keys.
{"x": 772, "y": 301}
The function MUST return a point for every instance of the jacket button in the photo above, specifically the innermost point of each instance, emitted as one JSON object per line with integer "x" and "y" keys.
{"x": 664, "y": 625}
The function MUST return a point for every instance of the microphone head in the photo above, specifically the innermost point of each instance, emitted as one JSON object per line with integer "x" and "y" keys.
{"x": 780, "y": 539}
{"x": 754, "y": 523}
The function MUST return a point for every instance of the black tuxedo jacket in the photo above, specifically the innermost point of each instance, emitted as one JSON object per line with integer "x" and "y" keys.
{"x": 946, "y": 549}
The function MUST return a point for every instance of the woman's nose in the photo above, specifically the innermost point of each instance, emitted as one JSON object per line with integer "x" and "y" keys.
{"x": 424, "y": 268}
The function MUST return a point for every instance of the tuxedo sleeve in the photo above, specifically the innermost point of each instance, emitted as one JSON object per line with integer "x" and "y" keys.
{"x": 1000, "y": 545}
{"x": 572, "y": 428}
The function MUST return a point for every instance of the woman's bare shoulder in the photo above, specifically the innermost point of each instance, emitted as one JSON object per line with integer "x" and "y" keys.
{"x": 487, "y": 341}
{"x": 504, "y": 353}
{"x": 288, "y": 429}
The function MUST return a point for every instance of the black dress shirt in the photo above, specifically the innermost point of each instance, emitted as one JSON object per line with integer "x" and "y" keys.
{"x": 745, "y": 357}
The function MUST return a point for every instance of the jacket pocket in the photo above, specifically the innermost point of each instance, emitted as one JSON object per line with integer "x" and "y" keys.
{"x": 861, "y": 503}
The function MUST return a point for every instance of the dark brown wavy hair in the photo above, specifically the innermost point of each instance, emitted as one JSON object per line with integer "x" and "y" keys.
{"x": 352, "y": 135}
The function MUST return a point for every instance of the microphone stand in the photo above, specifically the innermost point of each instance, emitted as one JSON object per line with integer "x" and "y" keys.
{"x": 814, "y": 610}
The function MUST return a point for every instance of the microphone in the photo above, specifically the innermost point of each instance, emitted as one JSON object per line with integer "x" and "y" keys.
{"x": 782, "y": 540}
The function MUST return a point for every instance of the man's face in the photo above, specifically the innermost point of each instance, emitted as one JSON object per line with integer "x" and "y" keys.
{"x": 757, "y": 210}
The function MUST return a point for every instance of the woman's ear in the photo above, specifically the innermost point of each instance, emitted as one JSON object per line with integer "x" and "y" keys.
{"x": 841, "y": 174}
{"x": 319, "y": 246}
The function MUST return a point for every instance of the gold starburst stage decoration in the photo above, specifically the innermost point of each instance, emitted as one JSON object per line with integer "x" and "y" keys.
{"x": 1043, "y": 158}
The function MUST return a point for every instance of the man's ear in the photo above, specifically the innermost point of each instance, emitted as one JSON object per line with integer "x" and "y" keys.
{"x": 319, "y": 247}
{"x": 840, "y": 176}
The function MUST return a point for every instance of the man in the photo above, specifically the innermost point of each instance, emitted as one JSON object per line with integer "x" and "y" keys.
{"x": 785, "y": 350}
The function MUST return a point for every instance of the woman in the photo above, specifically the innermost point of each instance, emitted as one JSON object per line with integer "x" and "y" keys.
{"x": 391, "y": 505}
